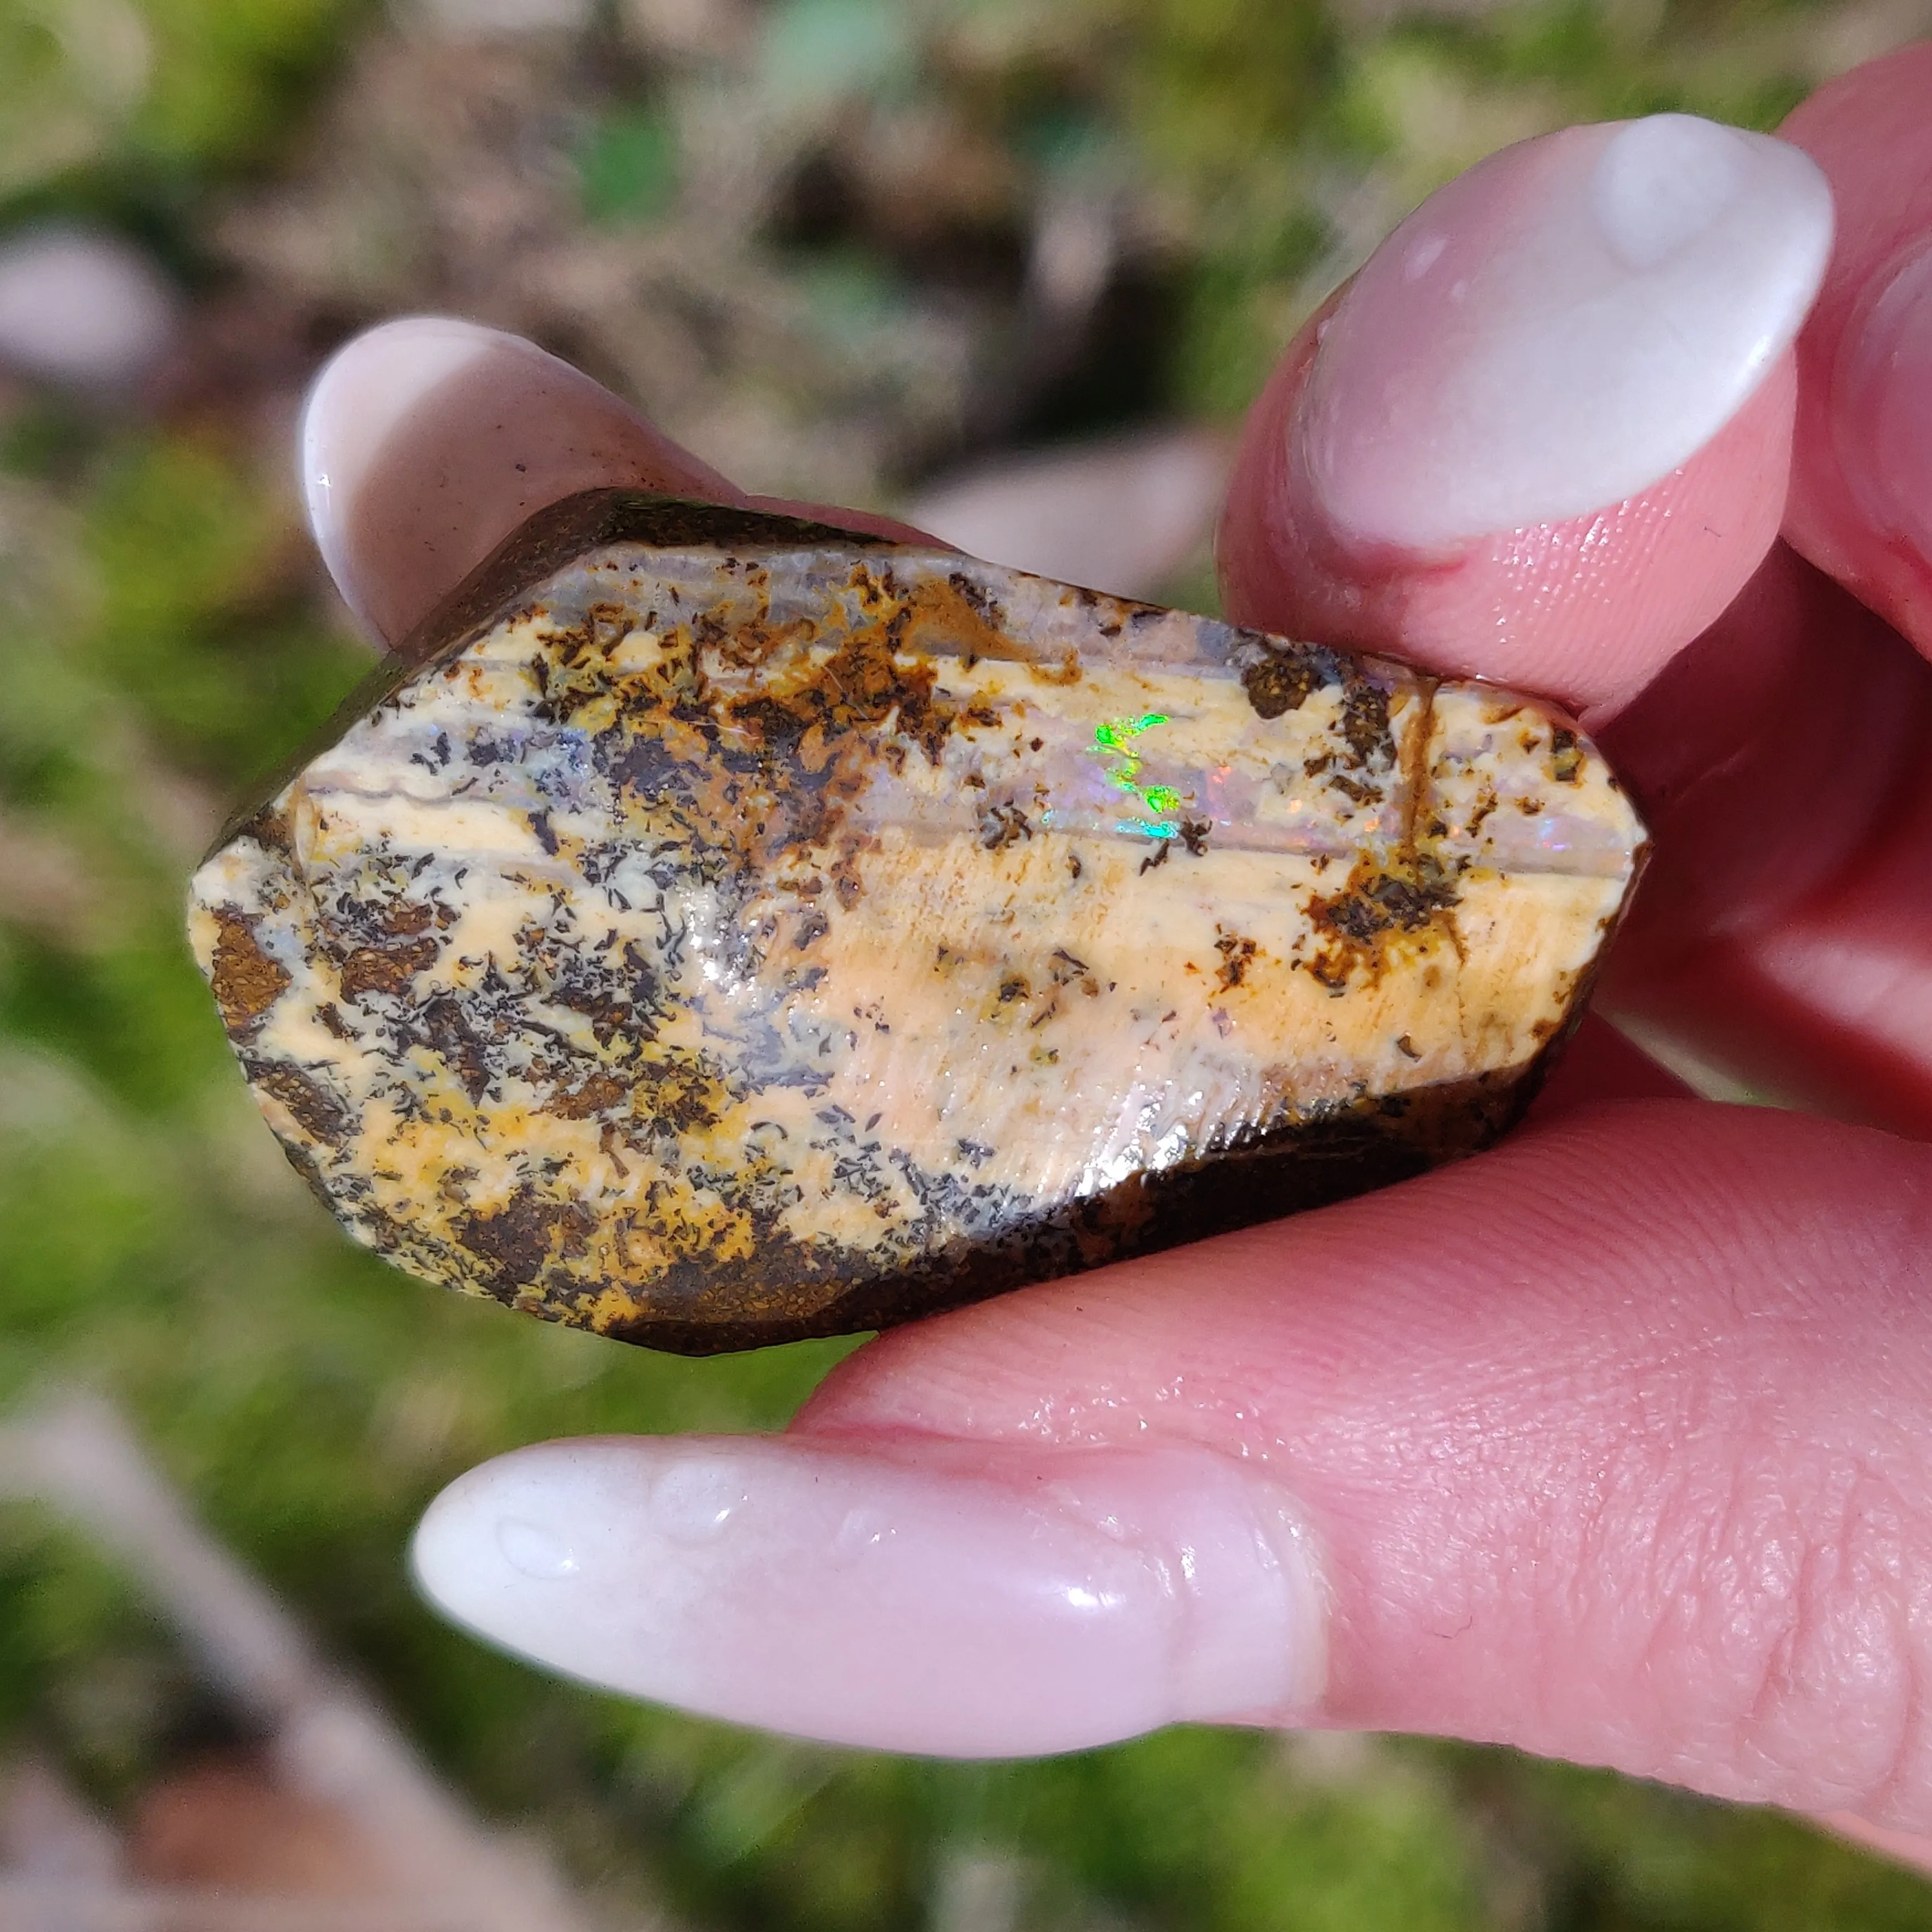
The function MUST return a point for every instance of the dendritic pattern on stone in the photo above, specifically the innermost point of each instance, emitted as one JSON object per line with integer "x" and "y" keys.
{"x": 730, "y": 929}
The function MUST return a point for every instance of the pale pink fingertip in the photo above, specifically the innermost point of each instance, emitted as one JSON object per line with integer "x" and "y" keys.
{"x": 354, "y": 406}
{"x": 426, "y": 441}
{"x": 949, "y": 1599}
{"x": 1558, "y": 329}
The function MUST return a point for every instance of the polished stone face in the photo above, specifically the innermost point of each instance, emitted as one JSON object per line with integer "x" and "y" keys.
{"x": 733, "y": 929}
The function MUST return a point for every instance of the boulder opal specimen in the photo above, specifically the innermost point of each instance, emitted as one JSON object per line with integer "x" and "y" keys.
{"x": 724, "y": 928}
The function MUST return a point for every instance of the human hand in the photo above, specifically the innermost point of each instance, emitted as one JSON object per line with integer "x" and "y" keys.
{"x": 1611, "y": 1443}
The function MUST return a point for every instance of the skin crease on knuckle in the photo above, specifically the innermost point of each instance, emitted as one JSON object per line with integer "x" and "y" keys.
{"x": 1649, "y": 1510}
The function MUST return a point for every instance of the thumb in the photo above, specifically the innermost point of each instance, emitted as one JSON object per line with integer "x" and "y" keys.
{"x": 1489, "y": 1454}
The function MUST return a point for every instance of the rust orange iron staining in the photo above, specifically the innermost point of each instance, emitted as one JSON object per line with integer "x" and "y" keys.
{"x": 718, "y": 928}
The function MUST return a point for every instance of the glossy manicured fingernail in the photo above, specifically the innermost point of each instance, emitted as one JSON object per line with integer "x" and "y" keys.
{"x": 1559, "y": 329}
{"x": 946, "y": 1598}
{"x": 1883, "y": 419}
{"x": 425, "y": 442}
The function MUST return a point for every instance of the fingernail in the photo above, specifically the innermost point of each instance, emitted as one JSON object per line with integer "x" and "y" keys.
{"x": 426, "y": 442}
{"x": 1559, "y": 329}
{"x": 950, "y": 1599}
{"x": 1883, "y": 419}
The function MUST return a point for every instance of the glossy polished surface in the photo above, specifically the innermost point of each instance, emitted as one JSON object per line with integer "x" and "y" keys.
{"x": 730, "y": 929}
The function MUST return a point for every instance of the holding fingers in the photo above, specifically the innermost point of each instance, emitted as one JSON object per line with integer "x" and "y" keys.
{"x": 1608, "y": 1444}
{"x": 1862, "y": 491}
{"x": 1785, "y": 931}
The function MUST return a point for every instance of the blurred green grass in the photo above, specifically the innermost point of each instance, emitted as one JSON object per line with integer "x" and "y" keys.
{"x": 161, "y": 644}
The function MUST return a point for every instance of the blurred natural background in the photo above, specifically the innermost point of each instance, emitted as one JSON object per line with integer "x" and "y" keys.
{"x": 868, "y": 251}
